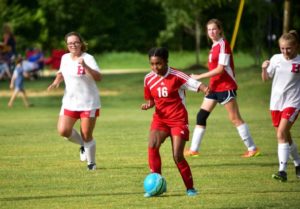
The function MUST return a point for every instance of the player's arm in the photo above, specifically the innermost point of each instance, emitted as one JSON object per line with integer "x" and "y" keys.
{"x": 55, "y": 84}
{"x": 12, "y": 81}
{"x": 203, "y": 88}
{"x": 264, "y": 73}
{"x": 218, "y": 70}
{"x": 96, "y": 75}
{"x": 194, "y": 85}
{"x": 149, "y": 104}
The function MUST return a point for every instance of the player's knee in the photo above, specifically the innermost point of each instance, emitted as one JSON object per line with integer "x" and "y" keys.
{"x": 281, "y": 137}
{"x": 64, "y": 133}
{"x": 178, "y": 158}
{"x": 202, "y": 117}
{"x": 236, "y": 120}
{"x": 86, "y": 136}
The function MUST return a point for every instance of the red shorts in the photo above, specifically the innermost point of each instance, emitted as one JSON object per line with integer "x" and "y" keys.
{"x": 289, "y": 113}
{"x": 181, "y": 130}
{"x": 80, "y": 114}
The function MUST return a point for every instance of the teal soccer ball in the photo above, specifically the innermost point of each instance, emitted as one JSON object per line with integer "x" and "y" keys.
{"x": 155, "y": 184}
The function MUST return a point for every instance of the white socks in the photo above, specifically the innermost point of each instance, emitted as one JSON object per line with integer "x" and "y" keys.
{"x": 197, "y": 138}
{"x": 90, "y": 151}
{"x": 244, "y": 133}
{"x": 75, "y": 138}
{"x": 294, "y": 154}
{"x": 283, "y": 156}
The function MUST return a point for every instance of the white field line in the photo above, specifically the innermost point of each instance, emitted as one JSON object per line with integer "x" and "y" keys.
{"x": 47, "y": 72}
{"x": 56, "y": 92}
{"x": 60, "y": 92}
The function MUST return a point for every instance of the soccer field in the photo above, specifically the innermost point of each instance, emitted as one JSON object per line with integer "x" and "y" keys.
{"x": 40, "y": 170}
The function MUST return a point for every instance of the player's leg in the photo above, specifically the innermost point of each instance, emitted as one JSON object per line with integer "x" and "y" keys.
{"x": 156, "y": 138}
{"x": 24, "y": 98}
{"x": 178, "y": 144}
{"x": 65, "y": 128}
{"x": 294, "y": 155}
{"x": 65, "y": 125}
{"x": 12, "y": 98}
{"x": 242, "y": 128}
{"x": 282, "y": 133}
{"x": 206, "y": 108}
{"x": 87, "y": 127}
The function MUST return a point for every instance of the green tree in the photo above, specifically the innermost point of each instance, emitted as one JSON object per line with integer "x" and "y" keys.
{"x": 188, "y": 15}
{"x": 127, "y": 25}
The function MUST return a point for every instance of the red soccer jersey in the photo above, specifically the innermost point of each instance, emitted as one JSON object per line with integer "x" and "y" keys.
{"x": 168, "y": 93}
{"x": 221, "y": 53}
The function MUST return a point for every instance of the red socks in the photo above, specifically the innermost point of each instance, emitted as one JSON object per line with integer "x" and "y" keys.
{"x": 186, "y": 174}
{"x": 154, "y": 160}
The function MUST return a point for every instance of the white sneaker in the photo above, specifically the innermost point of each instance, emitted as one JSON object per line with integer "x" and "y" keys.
{"x": 82, "y": 154}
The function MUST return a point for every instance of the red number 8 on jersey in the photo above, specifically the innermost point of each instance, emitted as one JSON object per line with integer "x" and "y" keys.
{"x": 80, "y": 70}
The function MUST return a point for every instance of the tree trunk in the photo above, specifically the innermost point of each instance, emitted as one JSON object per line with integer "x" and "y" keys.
{"x": 286, "y": 16}
{"x": 197, "y": 40}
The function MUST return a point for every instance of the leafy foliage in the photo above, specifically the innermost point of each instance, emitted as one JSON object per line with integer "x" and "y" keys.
{"x": 137, "y": 25}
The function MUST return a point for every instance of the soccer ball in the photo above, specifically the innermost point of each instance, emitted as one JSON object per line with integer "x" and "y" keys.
{"x": 155, "y": 184}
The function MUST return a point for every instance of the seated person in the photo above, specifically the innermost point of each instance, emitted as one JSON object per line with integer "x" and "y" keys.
{"x": 34, "y": 62}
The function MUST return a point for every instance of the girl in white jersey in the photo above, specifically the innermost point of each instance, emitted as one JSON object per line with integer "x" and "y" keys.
{"x": 81, "y": 100}
{"x": 223, "y": 88}
{"x": 284, "y": 69}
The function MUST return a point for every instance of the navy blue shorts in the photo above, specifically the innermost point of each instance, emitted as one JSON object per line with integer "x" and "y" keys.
{"x": 222, "y": 97}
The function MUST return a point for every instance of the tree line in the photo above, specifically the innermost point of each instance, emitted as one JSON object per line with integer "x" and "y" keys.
{"x": 137, "y": 25}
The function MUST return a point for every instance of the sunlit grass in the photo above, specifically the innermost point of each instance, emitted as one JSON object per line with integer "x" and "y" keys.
{"x": 39, "y": 169}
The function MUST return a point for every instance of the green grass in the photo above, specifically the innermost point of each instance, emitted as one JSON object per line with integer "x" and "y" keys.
{"x": 180, "y": 60}
{"x": 39, "y": 169}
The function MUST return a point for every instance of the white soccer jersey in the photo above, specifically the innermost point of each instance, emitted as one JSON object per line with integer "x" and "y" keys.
{"x": 81, "y": 91}
{"x": 286, "y": 82}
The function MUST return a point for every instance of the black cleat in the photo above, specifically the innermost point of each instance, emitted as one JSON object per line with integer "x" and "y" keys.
{"x": 91, "y": 167}
{"x": 297, "y": 168}
{"x": 280, "y": 176}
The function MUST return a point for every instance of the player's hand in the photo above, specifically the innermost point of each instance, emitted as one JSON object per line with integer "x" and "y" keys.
{"x": 205, "y": 89}
{"x": 81, "y": 62}
{"x": 196, "y": 77}
{"x": 52, "y": 86}
{"x": 147, "y": 105}
{"x": 265, "y": 64}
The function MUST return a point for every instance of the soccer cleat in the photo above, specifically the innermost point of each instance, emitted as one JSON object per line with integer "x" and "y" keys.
{"x": 297, "y": 168}
{"x": 191, "y": 192}
{"x": 82, "y": 154}
{"x": 253, "y": 153}
{"x": 280, "y": 176}
{"x": 190, "y": 153}
{"x": 91, "y": 167}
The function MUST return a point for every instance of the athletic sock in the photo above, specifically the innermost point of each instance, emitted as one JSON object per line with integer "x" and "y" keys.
{"x": 294, "y": 154}
{"x": 154, "y": 160}
{"x": 186, "y": 174}
{"x": 75, "y": 138}
{"x": 197, "y": 138}
{"x": 283, "y": 156}
{"x": 90, "y": 151}
{"x": 245, "y": 135}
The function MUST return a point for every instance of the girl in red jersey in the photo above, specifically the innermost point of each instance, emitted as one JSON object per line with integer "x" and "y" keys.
{"x": 284, "y": 70}
{"x": 164, "y": 88}
{"x": 223, "y": 88}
